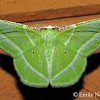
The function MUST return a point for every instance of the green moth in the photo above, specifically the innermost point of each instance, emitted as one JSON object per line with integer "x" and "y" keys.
{"x": 55, "y": 57}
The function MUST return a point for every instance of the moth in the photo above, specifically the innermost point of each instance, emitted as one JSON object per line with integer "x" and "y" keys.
{"x": 55, "y": 57}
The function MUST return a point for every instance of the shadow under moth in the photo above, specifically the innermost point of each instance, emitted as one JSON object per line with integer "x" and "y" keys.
{"x": 55, "y": 57}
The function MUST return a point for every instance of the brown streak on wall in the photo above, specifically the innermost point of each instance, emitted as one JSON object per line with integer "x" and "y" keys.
{"x": 51, "y": 14}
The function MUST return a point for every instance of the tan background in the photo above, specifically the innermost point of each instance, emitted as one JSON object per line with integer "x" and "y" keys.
{"x": 42, "y": 13}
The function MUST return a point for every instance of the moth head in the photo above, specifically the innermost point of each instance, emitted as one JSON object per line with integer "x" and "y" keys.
{"x": 49, "y": 27}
